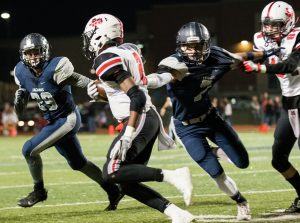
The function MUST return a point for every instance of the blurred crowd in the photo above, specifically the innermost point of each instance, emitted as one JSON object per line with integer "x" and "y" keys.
{"x": 95, "y": 117}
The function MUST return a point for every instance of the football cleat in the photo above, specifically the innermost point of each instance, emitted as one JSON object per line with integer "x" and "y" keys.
{"x": 33, "y": 198}
{"x": 243, "y": 211}
{"x": 113, "y": 202}
{"x": 183, "y": 217}
{"x": 178, "y": 215}
{"x": 182, "y": 180}
{"x": 295, "y": 207}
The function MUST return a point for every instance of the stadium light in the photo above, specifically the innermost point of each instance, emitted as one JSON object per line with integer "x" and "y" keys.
{"x": 5, "y": 15}
{"x": 244, "y": 42}
{"x": 243, "y": 46}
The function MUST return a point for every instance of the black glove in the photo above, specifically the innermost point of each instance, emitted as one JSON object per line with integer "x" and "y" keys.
{"x": 271, "y": 52}
{"x": 21, "y": 99}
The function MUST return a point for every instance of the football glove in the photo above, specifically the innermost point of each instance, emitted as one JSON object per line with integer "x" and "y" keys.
{"x": 123, "y": 145}
{"x": 21, "y": 99}
{"x": 92, "y": 90}
{"x": 250, "y": 66}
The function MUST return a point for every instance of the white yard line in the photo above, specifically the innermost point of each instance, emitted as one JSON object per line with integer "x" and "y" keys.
{"x": 127, "y": 200}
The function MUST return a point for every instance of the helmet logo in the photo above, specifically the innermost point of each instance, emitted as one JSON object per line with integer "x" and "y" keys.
{"x": 28, "y": 44}
{"x": 193, "y": 38}
{"x": 288, "y": 12}
{"x": 95, "y": 22}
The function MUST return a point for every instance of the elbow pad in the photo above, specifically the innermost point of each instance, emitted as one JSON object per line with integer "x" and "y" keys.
{"x": 156, "y": 80}
{"x": 137, "y": 99}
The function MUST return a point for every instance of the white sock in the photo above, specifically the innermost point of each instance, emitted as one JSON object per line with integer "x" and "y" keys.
{"x": 226, "y": 184}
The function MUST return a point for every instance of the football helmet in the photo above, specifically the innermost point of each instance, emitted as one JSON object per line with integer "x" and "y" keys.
{"x": 100, "y": 30}
{"x": 193, "y": 42}
{"x": 34, "y": 50}
{"x": 278, "y": 19}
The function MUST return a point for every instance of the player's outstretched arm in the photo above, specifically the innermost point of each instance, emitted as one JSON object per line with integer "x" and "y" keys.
{"x": 290, "y": 65}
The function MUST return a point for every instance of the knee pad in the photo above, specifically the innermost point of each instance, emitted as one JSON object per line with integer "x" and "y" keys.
{"x": 280, "y": 160}
{"x": 244, "y": 163}
{"x": 27, "y": 148}
{"x": 77, "y": 165}
{"x": 281, "y": 164}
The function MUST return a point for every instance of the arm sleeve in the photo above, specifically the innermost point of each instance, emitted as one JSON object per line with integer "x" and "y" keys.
{"x": 288, "y": 66}
{"x": 156, "y": 80}
{"x": 77, "y": 80}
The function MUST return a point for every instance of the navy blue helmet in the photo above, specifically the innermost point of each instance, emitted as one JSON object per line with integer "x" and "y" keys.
{"x": 34, "y": 50}
{"x": 193, "y": 42}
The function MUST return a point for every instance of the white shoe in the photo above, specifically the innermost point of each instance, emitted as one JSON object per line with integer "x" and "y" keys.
{"x": 178, "y": 215}
{"x": 182, "y": 180}
{"x": 243, "y": 211}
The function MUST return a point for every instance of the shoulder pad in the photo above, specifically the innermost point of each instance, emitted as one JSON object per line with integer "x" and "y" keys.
{"x": 63, "y": 70}
{"x": 107, "y": 63}
{"x": 173, "y": 63}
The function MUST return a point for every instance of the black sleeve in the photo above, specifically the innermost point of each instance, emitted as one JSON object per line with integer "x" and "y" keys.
{"x": 137, "y": 99}
{"x": 163, "y": 69}
{"x": 297, "y": 40}
{"x": 287, "y": 66}
{"x": 107, "y": 66}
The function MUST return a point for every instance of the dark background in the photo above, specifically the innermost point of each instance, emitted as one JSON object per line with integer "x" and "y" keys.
{"x": 151, "y": 23}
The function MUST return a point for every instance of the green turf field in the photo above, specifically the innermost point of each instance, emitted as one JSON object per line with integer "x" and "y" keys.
{"x": 74, "y": 198}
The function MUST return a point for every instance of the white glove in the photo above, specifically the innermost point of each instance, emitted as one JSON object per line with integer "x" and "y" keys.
{"x": 250, "y": 66}
{"x": 123, "y": 145}
{"x": 92, "y": 90}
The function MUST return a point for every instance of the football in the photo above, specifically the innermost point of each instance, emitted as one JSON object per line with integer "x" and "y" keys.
{"x": 101, "y": 91}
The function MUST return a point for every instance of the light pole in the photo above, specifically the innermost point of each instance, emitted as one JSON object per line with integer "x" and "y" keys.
{"x": 6, "y": 16}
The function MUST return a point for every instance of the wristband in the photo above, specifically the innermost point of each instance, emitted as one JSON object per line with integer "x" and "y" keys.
{"x": 250, "y": 56}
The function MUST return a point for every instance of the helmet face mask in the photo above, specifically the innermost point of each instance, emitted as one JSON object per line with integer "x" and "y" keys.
{"x": 101, "y": 30}
{"x": 193, "y": 42}
{"x": 34, "y": 50}
{"x": 195, "y": 52}
{"x": 272, "y": 30}
{"x": 278, "y": 20}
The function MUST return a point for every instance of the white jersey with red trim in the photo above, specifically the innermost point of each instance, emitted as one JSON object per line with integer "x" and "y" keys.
{"x": 290, "y": 85}
{"x": 107, "y": 66}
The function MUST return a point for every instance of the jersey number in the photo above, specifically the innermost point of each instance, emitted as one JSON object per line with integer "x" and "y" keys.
{"x": 45, "y": 101}
{"x": 141, "y": 68}
{"x": 206, "y": 84}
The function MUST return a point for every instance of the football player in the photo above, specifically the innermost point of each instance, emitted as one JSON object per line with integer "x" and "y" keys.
{"x": 121, "y": 72}
{"x": 189, "y": 74}
{"x": 278, "y": 29}
{"x": 48, "y": 80}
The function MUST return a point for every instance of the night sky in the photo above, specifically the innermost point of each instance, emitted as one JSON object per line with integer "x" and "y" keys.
{"x": 67, "y": 18}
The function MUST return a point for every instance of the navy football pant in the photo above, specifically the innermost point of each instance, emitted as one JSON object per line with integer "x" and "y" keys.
{"x": 194, "y": 138}
{"x": 62, "y": 135}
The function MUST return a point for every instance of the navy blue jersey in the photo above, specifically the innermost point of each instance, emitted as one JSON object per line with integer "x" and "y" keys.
{"x": 53, "y": 99}
{"x": 190, "y": 96}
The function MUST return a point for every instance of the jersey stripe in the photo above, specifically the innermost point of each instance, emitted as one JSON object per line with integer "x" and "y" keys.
{"x": 107, "y": 65}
